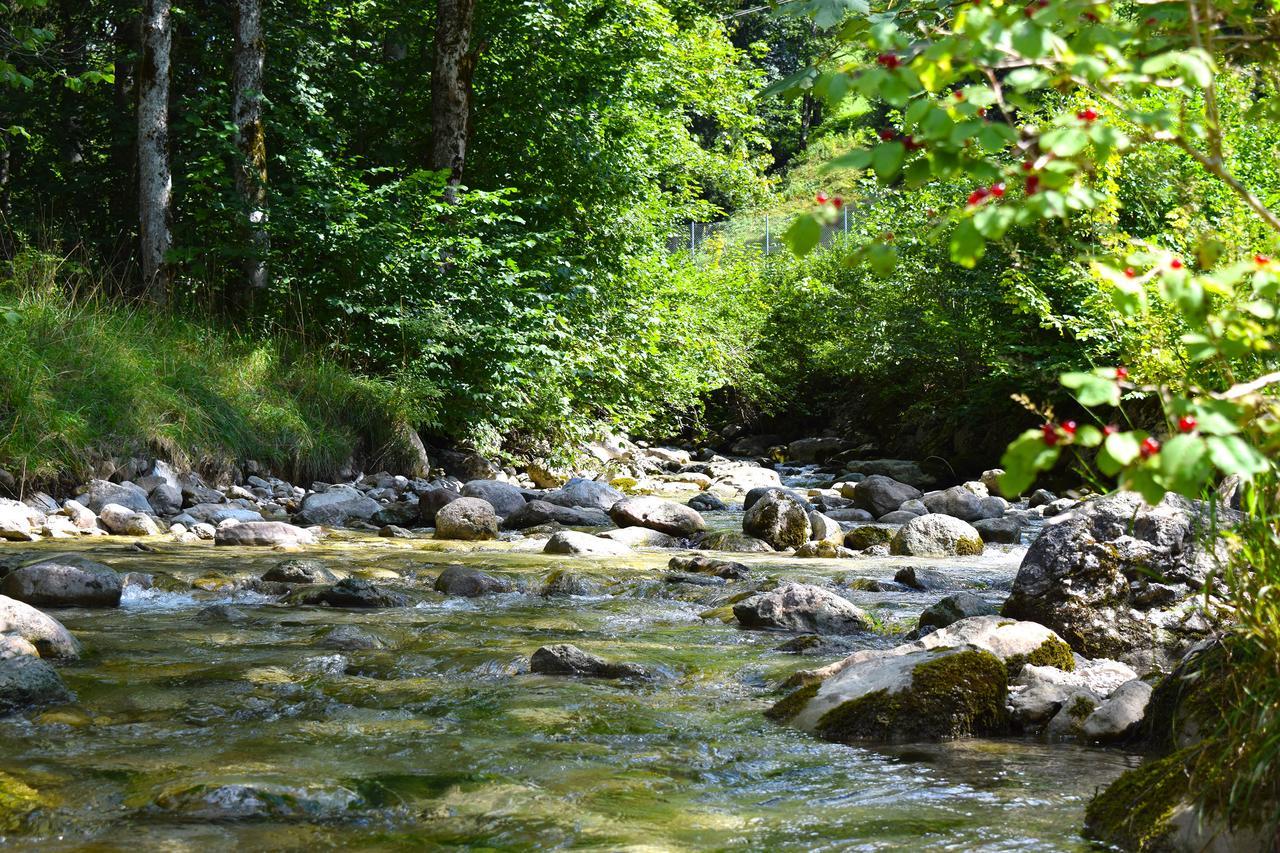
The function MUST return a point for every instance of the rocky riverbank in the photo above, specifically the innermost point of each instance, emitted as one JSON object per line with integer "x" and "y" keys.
{"x": 910, "y": 614}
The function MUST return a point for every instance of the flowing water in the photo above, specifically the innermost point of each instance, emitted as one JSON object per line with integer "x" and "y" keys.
{"x": 239, "y": 730}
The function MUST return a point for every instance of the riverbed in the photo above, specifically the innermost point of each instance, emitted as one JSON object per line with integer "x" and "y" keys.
{"x": 240, "y": 728}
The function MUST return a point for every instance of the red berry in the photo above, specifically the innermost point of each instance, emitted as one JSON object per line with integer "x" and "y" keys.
{"x": 838, "y": 202}
{"x": 982, "y": 112}
{"x": 1087, "y": 115}
{"x": 1151, "y": 22}
{"x": 1110, "y": 429}
{"x": 1090, "y": 17}
{"x": 888, "y": 134}
{"x": 821, "y": 198}
{"x": 1122, "y": 372}
{"x": 912, "y": 144}
{"x": 889, "y": 60}
{"x": 1175, "y": 264}
{"x": 1130, "y": 272}
{"x": 1186, "y": 424}
{"x": 1069, "y": 427}
{"x": 1050, "y": 433}
{"x": 1261, "y": 260}
{"x": 997, "y": 190}
{"x": 1027, "y": 165}
{"x": 1033, "y": 185}
{"x": 978, "y": 196}
{"x": 958, "y": 95}
{"x": 1150, "y": 447}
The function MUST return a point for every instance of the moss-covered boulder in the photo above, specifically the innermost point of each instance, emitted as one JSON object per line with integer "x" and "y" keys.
{"x": 778, "y": 519}
{"x": 926, "y": 694}
{"x": 17, "y": 801}
{"x": 735, "y": 542}
{"x": 865, "y": 536}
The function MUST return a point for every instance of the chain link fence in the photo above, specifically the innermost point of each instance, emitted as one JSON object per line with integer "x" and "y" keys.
{"x": 761, "y": 232}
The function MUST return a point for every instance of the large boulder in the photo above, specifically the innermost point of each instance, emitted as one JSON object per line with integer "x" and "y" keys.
{"x": 18, "y": 522}
{"x": 300, "y": 571}
{"x": 1120, "y": 714}
{"x": 657, "y": 514}
{"x": 1004, "y": 531}
{"x": 750, "y": 499}
{"x": 264, "y": 533}
{"x": 952, "y": 609}
{"x": 356, "y": 593}
{"x": 866, "y": 536}
{"x": 803, "y": 608}
{"x": 778, "y": 519}
{"x": 165, "y": 499}
{"x": 573, "y": 543}
{"x": 216, "y": 513}
{"x": 469, "y": 583}
{"x": 815, "y": 449}
{"x": 640, "y": 537}
{"x": 503, "y": 497}
{"x": 735, "y": 542}
{"x": 64, "y": 580}
{"x": 582, "y": 492}
{"x": 902, "y": 470}
{"x": 337, "y": 506}
{"x": 125, "y": 522}
{"x": 29, "y": 682}
{"x": 957, "y": 502}
{"x": 936, "y": 536}
{"x": 567, "y": 659}
{"x": 99, "y": 493}
{"x": 1117, "y": 578}
{"x": 431, "y": 501}
{"x": 46, "y": 634}
{"x": 918, "y": 695}
{"x": 880, "y": 495}
{"x": 534, "y": 513}
{"x": 470, "y": 519}
{"x": 823, "y": 528}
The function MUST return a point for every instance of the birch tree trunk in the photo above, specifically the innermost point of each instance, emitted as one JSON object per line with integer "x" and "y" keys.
{"x": 451, "y": 89}
{"x": 155, "y": 182}
{"x": 251, "y": 171}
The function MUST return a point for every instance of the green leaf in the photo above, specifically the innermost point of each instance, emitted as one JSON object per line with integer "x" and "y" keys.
{"x": 1065, "y": 141}
{"x": 804, "y": 234}
{"x": 1024, "y": 458}
{"x": 886, "y": 159}
{"x": 1183, "y": 465}
{"x": 967, "y": 244}
{"x": 858, "y": 158}
{"x": 1124, "y": 447}
{"x": 1092, "y": 389}
{"x": 1233, "y": 455}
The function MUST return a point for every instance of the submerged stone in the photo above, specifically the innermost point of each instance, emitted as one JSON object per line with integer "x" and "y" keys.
{"x": 567, "y": 659}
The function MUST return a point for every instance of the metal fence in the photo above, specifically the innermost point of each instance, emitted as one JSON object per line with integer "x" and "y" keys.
{"x": 762, "y": 232}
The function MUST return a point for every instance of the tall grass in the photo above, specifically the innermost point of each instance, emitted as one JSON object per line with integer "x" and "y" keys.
{"x": 83, "y": 376}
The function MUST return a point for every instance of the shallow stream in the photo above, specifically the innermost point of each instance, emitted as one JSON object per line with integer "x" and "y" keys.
{"x": 240, "y": 730}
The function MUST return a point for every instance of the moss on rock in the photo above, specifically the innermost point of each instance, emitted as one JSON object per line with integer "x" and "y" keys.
{"x": 957, "y": 694}
{"x": 1052, "y": 652}
{"x": 1134, "y": 812}
{"x": 17, "y": 801}
{"x": 793, "y": 703}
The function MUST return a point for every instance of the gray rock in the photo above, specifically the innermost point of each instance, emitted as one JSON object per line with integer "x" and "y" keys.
{"x": 222, "y": 614}
{"x": 431, "y": 501}
{"x": 81, "y": 516}
{"x": 898, "y": 516}
{"x": 824, "y": 529}
{"x": 562, "y": 583}
{"x": 1040, "y": 497}
{"x": 880, "y": 495}
{"x": 64, "y": 580}
{"x": 49, "y": 637}
{"x": 816, "y": 449}
{"x": 735, "y": 542}
{"x": 992, "y": 507}
{"x": 824, "y": 549}
{"x": 469, "y": 519}
{"x": 18, "y": 522}
{"x": 263, "y": 533}
{"x": 567, "y": 659}
{"x": 936, "y": 536}
{"x": 952, "y": 609}
{"x": 348, "y": 592}
{"x": 398, "y": 514}
{"x": 902, "y": 470}
{"x": 125, "y": 522}
{"x": 925, "y": 580}
{"x": 726, "y": 569}
{"x": 585, "y": 493}
{"x": 706, "y": 502}
{"x": 915, "y": 507}
{"x": 28, "y": 682}
{"x": 754, "y": 495}
{"x": 470, "y": 583}
{"x": 1058, "y": 507}
{"x": 390, "y": 531}
{"x": 300, "y": 571}
{"x": 657, "y": 514}
{"x": 1068, "y": 722}
{"x": 1005, "y": 531}
{"x": 957, "y": 502}
{"x": 215, "y": 513}
{"x": 165, "y": 499}
{"x": 640, "y": 537}
{"x": 1120, "y": 714}
{"x": 1081, "y": 574}
{"x": 99, "y": 493}
{"x": 537, "y": 512}
{"x": 802, "y": 608}
{"x": 573, "y": 543}
{"x": 864, "y": 536}
{"x": 850, "y": 514}
{"x": 991, "y": 479}
{"x": 339, "y": 506}
{"x": 349, "y": 638}
{"x": 503, "y": 497}
{"x": 778, "y": 519}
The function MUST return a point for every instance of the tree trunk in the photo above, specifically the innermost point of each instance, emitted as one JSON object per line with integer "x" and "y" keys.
{"x": 251, "y": 171}
{"x": 155, "y": 182}
{"x": 451, "y": 89}
{"x": 124, "y": 144}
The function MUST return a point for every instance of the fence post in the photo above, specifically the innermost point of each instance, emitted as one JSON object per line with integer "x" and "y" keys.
{"x": 693, "y": 236}
{"x": 846, "y": 219}
{"x": 766, "y": 235}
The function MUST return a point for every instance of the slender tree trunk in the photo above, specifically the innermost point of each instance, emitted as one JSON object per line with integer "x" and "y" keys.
{"x": 124, "y": 142}
{"x": 251, "y": 171}
{"x": 451, "y": 89}
{"x": 155, "y": 182}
